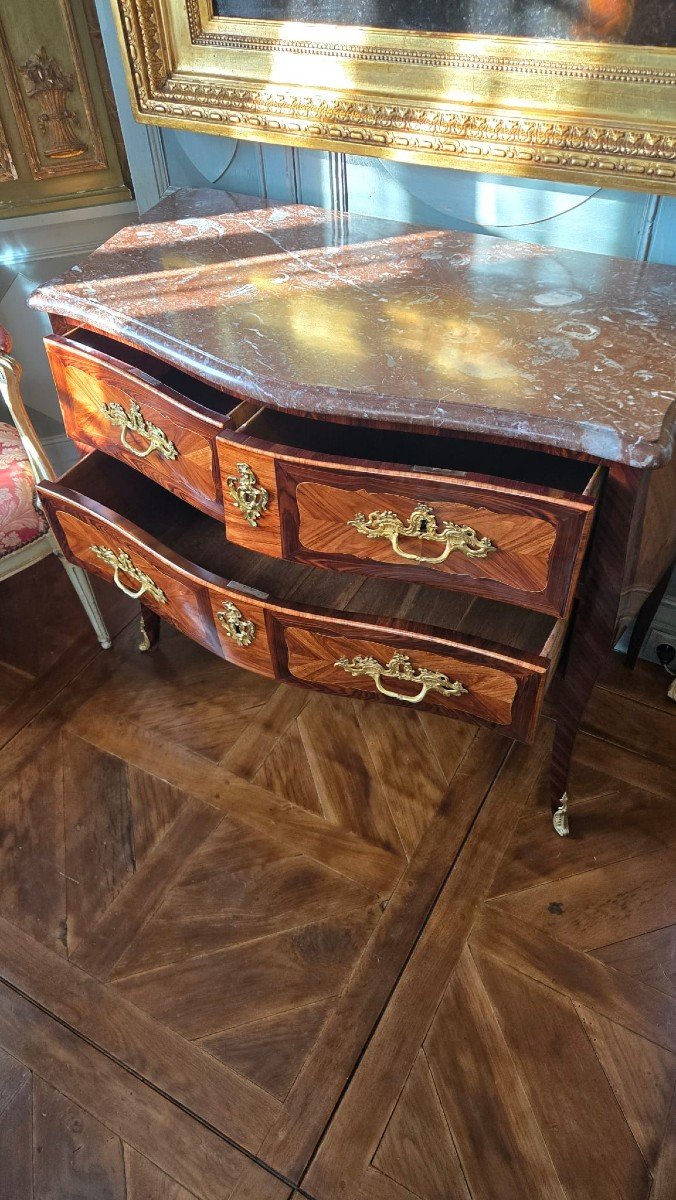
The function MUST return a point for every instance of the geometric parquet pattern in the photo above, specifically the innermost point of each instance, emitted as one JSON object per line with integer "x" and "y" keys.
{"x": 254, "y": 940}
{"x": 544, "y": 1062}
{"x": 50, "y": 1147}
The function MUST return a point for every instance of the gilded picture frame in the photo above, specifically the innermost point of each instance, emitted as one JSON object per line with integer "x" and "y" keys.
{"x": 584, "y": 112}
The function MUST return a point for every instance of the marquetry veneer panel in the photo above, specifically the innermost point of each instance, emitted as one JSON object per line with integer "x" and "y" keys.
{"x": 183, "y": 602}
{"x": 534, "y": 510}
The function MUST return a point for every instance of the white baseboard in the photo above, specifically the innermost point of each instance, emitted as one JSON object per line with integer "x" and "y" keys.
{"x": 69, "y": 233}
{"x": 663, "y": 629}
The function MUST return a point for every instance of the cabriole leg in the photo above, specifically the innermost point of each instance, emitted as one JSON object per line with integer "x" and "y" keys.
{"x": 592, "y": 627}
{"x": 150, "y": 629}
{"x": 562, "y": 754}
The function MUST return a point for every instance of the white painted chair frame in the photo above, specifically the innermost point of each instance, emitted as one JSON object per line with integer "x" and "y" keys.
{"x": 32, "y": 552}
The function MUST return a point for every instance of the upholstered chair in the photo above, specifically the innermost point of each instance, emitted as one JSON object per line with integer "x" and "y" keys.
{"x": 25, "y": 537}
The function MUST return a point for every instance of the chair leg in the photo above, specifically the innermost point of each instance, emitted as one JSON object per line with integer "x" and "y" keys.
{"x": 83, "y": 587}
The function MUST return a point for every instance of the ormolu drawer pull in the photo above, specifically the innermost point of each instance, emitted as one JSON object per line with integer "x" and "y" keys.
{"x": 236, "y": 625}
{"x": 122, "y": 562}
{"x": 246, "y": 494}
{"x": 134, "y": 422}
{"x": 422, "y": 524}
{"x": 401, "y": 667}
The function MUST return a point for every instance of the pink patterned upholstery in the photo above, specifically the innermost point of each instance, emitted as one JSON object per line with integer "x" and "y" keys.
{"x": 20, "y": 522}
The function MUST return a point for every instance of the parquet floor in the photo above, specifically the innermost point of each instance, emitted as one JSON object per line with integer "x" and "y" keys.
{"x": 258, "y": 943}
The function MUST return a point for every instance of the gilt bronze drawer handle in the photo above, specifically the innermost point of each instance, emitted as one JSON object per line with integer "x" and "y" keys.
{"x": 401, "y": 667}
{"x": 134, "y": 422}
{"x": 422, "y": 524}
{"x": 236, "y": 625}
{"x": 122, "y": 562}
{"x": 246, "y": 494}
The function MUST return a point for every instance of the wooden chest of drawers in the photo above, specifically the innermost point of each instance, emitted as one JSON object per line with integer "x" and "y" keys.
{"x": 434, "y": 531}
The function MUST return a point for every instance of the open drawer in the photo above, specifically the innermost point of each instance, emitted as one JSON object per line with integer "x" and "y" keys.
{"x": 469, "y": 658}
{"x": 150, "y": 415}
{"x": 490, "y": 520}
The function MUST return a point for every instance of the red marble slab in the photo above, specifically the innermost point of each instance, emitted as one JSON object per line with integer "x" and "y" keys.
{"x": 354, "y": 318}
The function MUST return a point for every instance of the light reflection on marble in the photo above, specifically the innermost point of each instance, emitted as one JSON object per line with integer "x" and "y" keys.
{"x": 351, "y": 317}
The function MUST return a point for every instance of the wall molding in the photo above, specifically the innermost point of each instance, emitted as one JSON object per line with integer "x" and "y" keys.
{"x": 143, "y": 143}
{"x": 70, "y": 233}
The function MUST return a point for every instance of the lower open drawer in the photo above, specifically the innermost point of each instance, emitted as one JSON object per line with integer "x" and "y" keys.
{"x": 468, "y": 658}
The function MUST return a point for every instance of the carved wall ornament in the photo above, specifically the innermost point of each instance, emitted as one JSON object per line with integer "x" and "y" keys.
{"x": 46, "y": 81}
{"x": 280, "y": 82}
{"x": 50, "y": 94}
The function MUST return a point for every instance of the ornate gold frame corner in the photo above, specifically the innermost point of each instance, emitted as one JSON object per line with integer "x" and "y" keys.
{"x": 581, "y": 112}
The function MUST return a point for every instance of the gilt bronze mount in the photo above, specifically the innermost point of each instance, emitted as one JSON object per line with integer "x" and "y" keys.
{"x": 134, "y": 422}
{"x": 246, "y": 494}
{"x": 401, "y": 667}
{"x": 422, "y": 524}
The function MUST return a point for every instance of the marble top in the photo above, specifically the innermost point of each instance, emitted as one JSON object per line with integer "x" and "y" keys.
{"x": 351, "y": 317}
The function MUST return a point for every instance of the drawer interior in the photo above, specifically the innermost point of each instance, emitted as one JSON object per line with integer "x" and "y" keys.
{"x": 201, "y": 540}
{"x": 193, "y": 389}
{"x": 459, "y": 457}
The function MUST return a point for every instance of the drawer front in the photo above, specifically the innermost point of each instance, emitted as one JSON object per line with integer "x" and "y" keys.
{"x": 457, "y": 680}
{"x": 118, "y": 556}
{"x": 502, "y": 542}
{"x": 109, "y": 406}
{"x": 240, "y": 620}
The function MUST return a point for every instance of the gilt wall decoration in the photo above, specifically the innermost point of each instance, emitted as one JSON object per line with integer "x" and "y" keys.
{"x": 46, "y": 82}
{"x": 583, "y": 92}
{"x": 57, "y": 131}
{"x": 50, "y": 94}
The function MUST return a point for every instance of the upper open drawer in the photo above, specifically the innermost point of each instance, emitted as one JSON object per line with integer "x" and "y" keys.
{"x": 491, "y": 520}
{"x": 150, "y": 415}
{"x": 496, "y": 521}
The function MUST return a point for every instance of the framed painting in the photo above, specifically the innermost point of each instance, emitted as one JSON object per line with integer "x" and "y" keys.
{"x": 577, "y": 90}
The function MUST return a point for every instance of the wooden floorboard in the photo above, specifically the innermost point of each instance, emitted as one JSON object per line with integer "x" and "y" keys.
{"x": 89, "y": 1082}
{"x": 252, "y": 940}
{"x": 44, "y": 645}
{"x": 529, "y": 1048}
